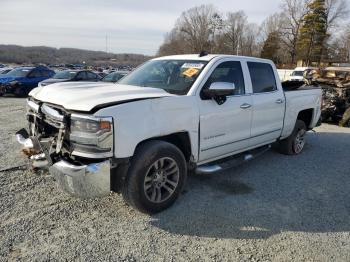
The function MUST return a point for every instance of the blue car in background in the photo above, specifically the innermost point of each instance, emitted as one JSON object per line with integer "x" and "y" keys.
{"x": 21, "y": 80}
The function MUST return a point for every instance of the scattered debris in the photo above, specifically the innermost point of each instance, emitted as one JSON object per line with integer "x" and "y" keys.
{"x": 335, "y": 84}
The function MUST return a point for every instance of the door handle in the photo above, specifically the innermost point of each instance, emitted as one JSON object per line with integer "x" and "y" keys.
{"x": 245, "y": 106}
{"x": 279, "y": 101}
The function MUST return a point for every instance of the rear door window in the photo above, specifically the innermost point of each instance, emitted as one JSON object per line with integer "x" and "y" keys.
{"x": 262, "y": 76}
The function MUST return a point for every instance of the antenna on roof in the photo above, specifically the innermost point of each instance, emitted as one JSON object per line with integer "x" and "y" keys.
{"x": 203, "y": 53}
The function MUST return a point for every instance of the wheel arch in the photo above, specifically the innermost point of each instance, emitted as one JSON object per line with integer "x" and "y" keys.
{"x": 306, "y": 116}
{"x": 181, "y": 140}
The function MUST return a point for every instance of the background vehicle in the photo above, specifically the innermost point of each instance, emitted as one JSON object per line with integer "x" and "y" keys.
{"x": 171, "y": 115}
{"x": 284, "y": 74}
{"x": 5, "y": 70}
{"x": 115, "y": 76}
{"x": 20, "y": 81}
{"x": 71, "y": 75}
{"x": 298, "y": 73}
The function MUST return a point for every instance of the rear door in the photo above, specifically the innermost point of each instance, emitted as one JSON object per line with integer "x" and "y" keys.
{"x": 268, "y": 103}
{"x": 34, "y": 78}
{"x": 225, "y": 128}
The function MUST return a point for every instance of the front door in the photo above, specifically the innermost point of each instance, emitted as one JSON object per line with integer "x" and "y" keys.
{"x": 225, "y": 128}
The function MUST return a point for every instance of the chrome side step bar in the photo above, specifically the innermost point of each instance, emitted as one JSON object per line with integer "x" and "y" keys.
{"x": 230, "y": 162}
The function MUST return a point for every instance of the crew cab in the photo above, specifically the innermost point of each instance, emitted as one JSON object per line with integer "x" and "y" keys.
{"x": 170, "y": 116}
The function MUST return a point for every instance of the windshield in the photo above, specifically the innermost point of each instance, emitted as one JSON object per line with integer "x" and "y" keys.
{"x": 173, "y": 76}
{"x": 18, "y": 72}
{"x": 113, "y": 77}
{"x": 297, "y": 73}
{"x": 65, "y": 75}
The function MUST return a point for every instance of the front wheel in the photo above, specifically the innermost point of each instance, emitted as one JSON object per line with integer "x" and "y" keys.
{"x": 294, "y": 144}
{"x": 156, "y": 177}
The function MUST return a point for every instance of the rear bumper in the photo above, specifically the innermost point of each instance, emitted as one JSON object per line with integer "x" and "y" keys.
{"x": 84, "y": 181}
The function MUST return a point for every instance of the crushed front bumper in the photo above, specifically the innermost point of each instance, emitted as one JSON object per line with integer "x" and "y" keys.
{"x": 84, "y": 181}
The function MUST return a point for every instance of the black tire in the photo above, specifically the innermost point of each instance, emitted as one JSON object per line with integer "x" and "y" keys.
{"x": 19, "y": 92}
{"x": 289, "y": 145}
{"x": 144, "y": 168}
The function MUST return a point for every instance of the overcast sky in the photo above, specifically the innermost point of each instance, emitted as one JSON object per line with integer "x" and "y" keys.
{"x": 132, "y": 26}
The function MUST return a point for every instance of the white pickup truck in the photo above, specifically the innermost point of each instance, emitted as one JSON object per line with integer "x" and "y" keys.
{"x": 171, "y": 115}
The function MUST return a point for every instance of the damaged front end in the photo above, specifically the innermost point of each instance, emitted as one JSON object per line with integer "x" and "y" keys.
{"x": 77, "y": 148}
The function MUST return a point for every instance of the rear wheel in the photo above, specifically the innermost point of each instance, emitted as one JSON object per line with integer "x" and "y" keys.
{"x": 294, "y": 144}
{"x": 156, "y": 177}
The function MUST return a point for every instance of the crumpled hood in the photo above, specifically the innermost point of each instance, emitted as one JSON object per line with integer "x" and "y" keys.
{"x": 6, "y": 79}
{"x": 85, "y": 96}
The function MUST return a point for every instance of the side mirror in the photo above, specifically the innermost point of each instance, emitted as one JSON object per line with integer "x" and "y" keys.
{"x": 219, "y": 91}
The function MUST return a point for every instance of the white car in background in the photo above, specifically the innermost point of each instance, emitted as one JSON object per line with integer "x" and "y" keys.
{"x": 298, "y": 73}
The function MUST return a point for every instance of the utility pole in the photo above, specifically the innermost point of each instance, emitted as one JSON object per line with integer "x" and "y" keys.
{"x": 106, "y": 43}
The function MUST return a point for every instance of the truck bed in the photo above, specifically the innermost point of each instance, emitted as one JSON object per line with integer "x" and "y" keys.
{"x": 298, "y": 100}
{"x": 297, "y": 85}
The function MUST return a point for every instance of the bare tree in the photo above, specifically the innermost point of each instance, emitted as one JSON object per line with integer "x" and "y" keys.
{"x": 339, "y": 47}
{"x": 249, "y": 44}
{"x": 235, "y": 26}
{"x": 272, "y": 23}
{"x": 293, "y": 12}
{"x": 335, "y": 10}
{"x": 196, "y": 26}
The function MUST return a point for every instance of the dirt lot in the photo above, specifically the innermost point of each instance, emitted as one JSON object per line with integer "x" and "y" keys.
{"x": 276, "y": 208}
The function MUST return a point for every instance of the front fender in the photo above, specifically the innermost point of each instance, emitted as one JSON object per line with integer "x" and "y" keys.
{"x": 138, "y": 121}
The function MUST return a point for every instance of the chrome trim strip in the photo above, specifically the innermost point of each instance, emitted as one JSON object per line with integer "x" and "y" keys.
{"x": 209, "y": 148}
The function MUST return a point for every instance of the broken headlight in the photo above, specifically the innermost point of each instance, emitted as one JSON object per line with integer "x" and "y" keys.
{"x": 91, "y": 136}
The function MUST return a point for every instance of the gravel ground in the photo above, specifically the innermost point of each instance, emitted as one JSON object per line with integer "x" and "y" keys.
{"x": 275, "y": 208}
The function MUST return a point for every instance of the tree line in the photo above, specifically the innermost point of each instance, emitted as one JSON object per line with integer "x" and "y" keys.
{"x": 49, "y": 55}
{"x": 311, "y": 31}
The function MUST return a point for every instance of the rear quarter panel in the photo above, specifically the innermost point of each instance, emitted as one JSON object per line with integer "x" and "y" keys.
{"x": 297, "y": 101}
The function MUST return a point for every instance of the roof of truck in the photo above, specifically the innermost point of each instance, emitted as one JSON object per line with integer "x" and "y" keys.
{"x": 208, "y": 57}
